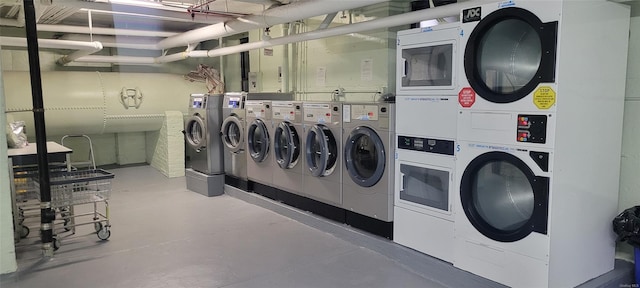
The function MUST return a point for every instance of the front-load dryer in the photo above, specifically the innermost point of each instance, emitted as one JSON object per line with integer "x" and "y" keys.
{"x": 288, "y": 146}
{"x": 259, "y": 133}
{"x": 368, "y": 172}
{"x": 502, "y": 215}
{"x": 427, "y": 61}
{"x": 540, "y": 131}
{"x": 233, "y": 138}
{"x": 323, "y": 152}
{"x": 510, "y": 55}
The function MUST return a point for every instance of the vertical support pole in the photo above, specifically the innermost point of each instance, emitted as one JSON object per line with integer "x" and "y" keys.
{"x": 46, "y": 213}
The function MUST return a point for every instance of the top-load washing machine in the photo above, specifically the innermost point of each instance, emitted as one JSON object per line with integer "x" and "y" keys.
{"x": 426, "y": 117}
{"x": 540, "y": 134}
{"x": 288, "y": 148}
{"x": 259, "y": 134}
{"x": 368, "y": 172}
{"x": 233, "y": 138}
{"x": 323, "y": 156}
{"x": 204, "y": 146}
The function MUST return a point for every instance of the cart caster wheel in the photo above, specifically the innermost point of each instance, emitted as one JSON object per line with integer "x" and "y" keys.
{"x": 66, "y": 222}
{"x": 56, "y": 243}
{"x": 104, "y": 233}
{"x": 24, "y": 231}
{"x": 97, "y": 226}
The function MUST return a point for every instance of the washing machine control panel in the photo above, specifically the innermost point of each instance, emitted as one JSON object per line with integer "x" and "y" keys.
{"x": 532, "y": 128}
{"x": 428, "y": 145}
{"x": 198, "y": 102}
{"x": 288, "y": 111}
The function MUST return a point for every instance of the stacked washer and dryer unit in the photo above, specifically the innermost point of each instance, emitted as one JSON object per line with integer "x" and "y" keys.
{"x": 427, "y": 65}
{"x": 539, "y": 130}
{"x": 204, "y": 148}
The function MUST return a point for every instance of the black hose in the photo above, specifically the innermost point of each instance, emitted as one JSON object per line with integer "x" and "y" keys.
{"x": 38, "y": 117}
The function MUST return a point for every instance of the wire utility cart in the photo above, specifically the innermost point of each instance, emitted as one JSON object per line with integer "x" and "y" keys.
{"x": 73, "y": 188}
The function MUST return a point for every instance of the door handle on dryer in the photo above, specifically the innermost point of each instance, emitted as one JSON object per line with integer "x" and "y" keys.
{"x": 404, "y": 67}
{"x": 401, "y": 182}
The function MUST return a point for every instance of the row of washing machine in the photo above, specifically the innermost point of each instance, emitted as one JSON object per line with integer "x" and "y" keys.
{"x": 508, "y": 140}
{"x": 331, "y": 158}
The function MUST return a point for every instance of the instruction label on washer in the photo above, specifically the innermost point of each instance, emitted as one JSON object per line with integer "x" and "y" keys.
{"x": 315, "y": 112}
{"x": 283, "y": 111}
{"x": 544, "y": 97}
{"x": 364, "y": 112}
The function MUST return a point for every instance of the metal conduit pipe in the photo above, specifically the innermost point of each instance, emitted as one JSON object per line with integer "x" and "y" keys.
{"x": 278, "y": 15}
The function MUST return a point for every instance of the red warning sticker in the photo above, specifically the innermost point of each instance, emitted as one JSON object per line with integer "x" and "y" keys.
{"x": 467, "y": 97}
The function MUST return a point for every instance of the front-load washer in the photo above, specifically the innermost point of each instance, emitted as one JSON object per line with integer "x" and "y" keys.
{"x": 204, "y": 147}
{"x": 368, "y": 172}
{"x": 233, "y": 138}
{"x": 323, "y": 161}
{"x": 259, "y": 133}
{"x": 288, "y": 148}
{"x": 536, "y": 192}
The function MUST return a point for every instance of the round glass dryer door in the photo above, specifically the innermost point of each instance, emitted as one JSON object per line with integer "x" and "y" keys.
{"x": 195, "y": 132}
{"x": 286, "y": 144}
{"x": 321, "y": 151}
{"x": 232, "y": 133}
{"x": 364, "y": 156}
{"x": 502, "y": 198}
{"x": 509, "y": 53}
{"x": 258, "y": 140}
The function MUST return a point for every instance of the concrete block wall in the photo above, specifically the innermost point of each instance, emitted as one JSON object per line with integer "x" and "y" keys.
{"x": 165, "y": 148}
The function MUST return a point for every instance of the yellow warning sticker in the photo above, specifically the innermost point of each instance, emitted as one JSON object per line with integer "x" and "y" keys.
{"x": 544, "y": 97}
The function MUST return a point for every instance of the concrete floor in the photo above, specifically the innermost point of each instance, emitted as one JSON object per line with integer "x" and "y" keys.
{"x": 166, "y": 236}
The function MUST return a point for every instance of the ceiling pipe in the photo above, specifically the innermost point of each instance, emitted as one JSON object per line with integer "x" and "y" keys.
{"x": 141, "y": 43}
{"x": 103, "y": 31}
{"x": 83, "y": 48}
{"x": 390, "y": 21}
{"x": 278, "y": 15}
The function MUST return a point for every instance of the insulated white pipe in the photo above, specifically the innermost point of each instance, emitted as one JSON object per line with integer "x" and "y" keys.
{"x": 117, "y": 59}
{"x": 141, "y": 43}
{"x": 52, "y": 43}
{"x": 279, "y": 15}
{"x": 104, "y": 31}
{"x": 390, "y": 21}
{"x": 80, "y": 53}
{"x": 284, "y": 73}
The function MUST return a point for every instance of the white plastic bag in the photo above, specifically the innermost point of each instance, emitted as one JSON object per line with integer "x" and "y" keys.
{"x": 16, "y": 136}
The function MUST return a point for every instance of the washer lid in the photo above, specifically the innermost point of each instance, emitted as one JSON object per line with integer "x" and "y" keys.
{"x": 258, "y": 140}
{"x": 233, "y": 133}
{"x": 286, "y": 144}
{"x": 195, "y": 132}
{"x": 509, "y": 53}
{"x": 502, "y": 198}
{"x": 364, "y": 156}
{"x": 321, "y": 150}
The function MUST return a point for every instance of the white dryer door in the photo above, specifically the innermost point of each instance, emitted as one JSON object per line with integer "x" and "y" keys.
{"x": 502, "y": 198}
{"x": 364, "y": 156}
